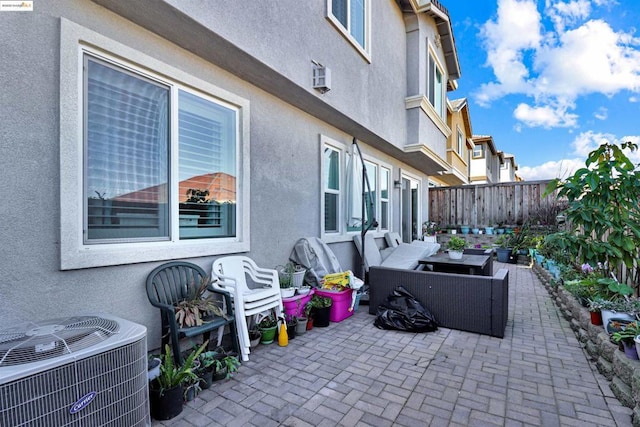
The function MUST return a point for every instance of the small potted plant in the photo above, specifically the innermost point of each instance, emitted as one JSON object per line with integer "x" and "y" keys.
{"x": 197, "y": 305}
{"x": 285, "y": 276}
{"x": 292, "y": 322}
{"x": 456, "y": 246}
{"x": 268, "y": 327}
{"x": 225, "y": 364}
{"x": 254, "y": 336}
{"x": 627, "y": 336}
{"x": 319, "y": 308}
{"x": 166, "y": 391}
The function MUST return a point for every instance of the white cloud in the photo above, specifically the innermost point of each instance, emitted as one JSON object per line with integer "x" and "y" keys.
{"x": 634, "y": 99}
{"x": 549, "y": 170}
{"x": 568, "y": 13}
{"x": 601, "y": 114}
{"x": 582, "y": 145}
{"x": 555, "y": 67}
{"x": 546, "y": 116}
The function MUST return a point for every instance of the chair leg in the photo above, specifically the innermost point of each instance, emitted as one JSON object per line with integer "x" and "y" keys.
{"x": 234, "y": 342}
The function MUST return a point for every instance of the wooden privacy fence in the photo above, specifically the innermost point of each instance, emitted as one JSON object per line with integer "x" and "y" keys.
{"x": 509, "y": 203}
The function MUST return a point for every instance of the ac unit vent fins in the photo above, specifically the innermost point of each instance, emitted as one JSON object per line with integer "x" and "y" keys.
{"x": 33, "y": 342}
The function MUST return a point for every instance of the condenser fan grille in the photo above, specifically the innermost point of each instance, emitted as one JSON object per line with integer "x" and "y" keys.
{"x": 35, "y": 342}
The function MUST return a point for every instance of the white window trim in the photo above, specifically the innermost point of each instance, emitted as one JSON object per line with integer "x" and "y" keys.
{"x": 405, "y": 174}
{"x": 342, "y": 235}
{"x": 332, "y": 236}
{"x": 443, "y": 93}
{"x": 364, "y": 51}
{"x": 74, "y": 41}
{"x": 389, "y": 197}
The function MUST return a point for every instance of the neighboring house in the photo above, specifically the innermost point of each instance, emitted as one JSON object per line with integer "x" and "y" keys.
{"x": 508, "y": 169}
{"x": 485, "y": 161}
{"x": 121, "y": 116}
{"x": 459, "y": 145}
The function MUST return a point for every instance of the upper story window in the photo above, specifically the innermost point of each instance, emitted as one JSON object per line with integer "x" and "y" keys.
{"x": 460, "y": 141}
{"x": 160, "y": 172}
{"x": 351, "y": 17}
{"x": 342, "y": 192}
{"x": 435, "y": 86}
{"x": 478, "y": 151}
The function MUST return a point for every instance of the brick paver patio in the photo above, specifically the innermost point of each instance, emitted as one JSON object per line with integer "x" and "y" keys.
{"x": 353, "y": 374}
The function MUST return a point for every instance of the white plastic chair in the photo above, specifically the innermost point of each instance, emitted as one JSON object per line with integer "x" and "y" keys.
{"x": 233, "y": 274}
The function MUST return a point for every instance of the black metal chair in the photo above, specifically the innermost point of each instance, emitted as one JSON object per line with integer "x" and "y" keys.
{"x": 170, "y": 283}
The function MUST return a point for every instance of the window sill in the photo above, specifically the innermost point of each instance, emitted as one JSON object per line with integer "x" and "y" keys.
{"x": 362, "y": 51}
{"x": 88, "y": 256}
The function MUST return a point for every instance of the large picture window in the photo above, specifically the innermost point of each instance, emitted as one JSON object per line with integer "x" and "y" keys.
{"x": 154, "y": 161}
{"x": 127, "y": 176}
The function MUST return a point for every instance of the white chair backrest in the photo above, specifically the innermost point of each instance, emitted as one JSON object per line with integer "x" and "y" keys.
{"x": 233, "y": 271}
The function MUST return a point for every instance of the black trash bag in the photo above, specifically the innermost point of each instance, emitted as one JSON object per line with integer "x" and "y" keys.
{"x": 403, "y": 312}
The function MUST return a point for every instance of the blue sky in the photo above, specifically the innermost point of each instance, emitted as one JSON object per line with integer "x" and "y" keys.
{"x": 549, "y": 80}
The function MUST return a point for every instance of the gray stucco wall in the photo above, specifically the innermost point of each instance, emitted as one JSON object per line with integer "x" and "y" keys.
{"x": 285, "y": 146}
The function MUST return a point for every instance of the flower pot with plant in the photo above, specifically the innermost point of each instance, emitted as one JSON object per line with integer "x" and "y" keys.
{"x": 286, "y": 278}
{"x": 319, "y": 308}
{"x": 268, "y": 327}
{"x": 456, "y": 247}
{"x": 197, "y": 305}
{"x": 166, "y": 391}
{"x": 627, "y": 337}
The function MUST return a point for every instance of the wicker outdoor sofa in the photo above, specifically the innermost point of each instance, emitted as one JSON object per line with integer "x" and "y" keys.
{"x": 477, "y": 304}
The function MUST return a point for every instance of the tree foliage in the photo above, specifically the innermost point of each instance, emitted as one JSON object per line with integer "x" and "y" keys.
{"x": 603, "y": 214}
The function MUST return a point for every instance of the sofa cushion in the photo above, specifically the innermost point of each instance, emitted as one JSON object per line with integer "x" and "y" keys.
{"x": 406, "y": 256}
{"x": 432, "y": 247}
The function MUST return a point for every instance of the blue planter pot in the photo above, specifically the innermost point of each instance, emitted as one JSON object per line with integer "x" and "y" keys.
{"x": 488, "y": 230}
{"x": 464, "y": 230}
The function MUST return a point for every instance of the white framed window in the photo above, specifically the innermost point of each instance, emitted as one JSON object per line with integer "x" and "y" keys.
{"x": 154, "y": 162}
{"x": 460, "y": 141}
{"x": 478, "y": 151}
{"x": 342, "y": 191}
{"x": 332, "y": 167}
{"x": 385, "y": 198}
{"x": 352, "y": 19}
{"x": 435, "y": 85}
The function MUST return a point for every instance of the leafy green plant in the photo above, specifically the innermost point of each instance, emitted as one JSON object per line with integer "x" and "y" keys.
{"x": 267, "y": 322}
{"x": 456, "y": 244}
{"x": 603, "y": 215}
{"x": 172, "y": 375}
{"x": 628, "y": 333}
{"x": 190, "y": 311}
{"x": 317, "y": 301}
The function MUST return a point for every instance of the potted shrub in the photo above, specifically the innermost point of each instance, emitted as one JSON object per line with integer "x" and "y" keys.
{"x": 456, "y": 247}
{"x": 319, "y": 308}
{"x": 627, "y": 336}
{"x": 166, "y": 391}
{"x": 292, "y": 322}
{"x": 254, "y": 336}
{"x": 225, "y": 364}
{"x": 267, "y": 327}
{"x": 285, "y": 276}
{"x": 197, "y": 305}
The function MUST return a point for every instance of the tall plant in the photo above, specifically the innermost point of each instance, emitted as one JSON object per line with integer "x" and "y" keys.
{"x": 603, "y": 214}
